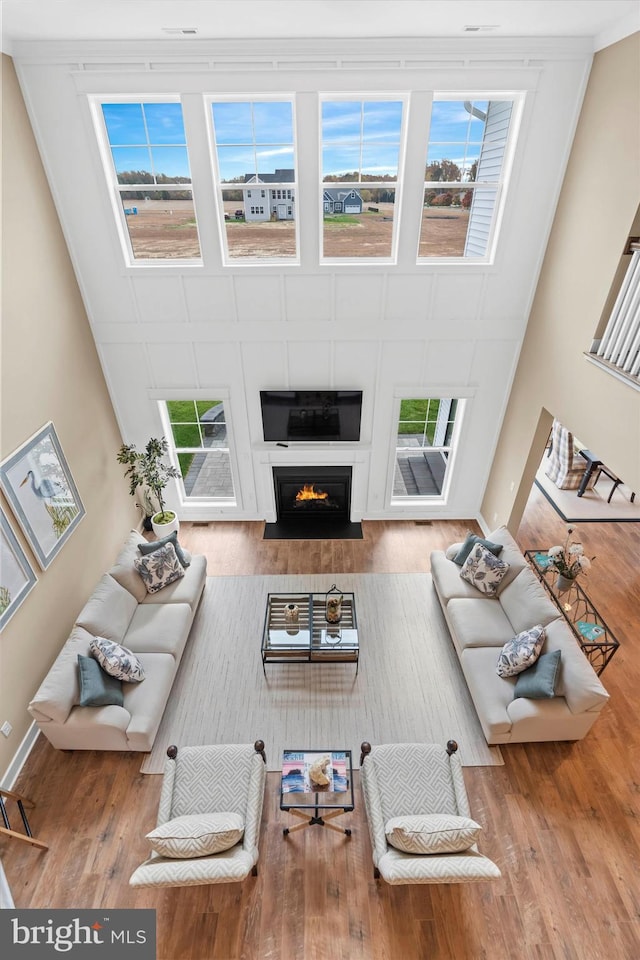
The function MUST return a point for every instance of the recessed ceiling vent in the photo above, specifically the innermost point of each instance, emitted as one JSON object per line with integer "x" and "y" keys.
{"x": 480, "y": 27}
{"x": 180, "y": 31}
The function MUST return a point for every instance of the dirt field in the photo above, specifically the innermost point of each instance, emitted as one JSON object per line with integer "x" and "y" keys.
{"x": 167, "y": 230}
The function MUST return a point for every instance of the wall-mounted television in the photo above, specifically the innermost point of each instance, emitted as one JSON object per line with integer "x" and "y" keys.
{"x": 303, "y": 415}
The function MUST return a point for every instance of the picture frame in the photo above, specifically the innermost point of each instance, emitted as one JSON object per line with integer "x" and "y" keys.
{"x": 40, "y": 490}
{"x": 17, "y": 576}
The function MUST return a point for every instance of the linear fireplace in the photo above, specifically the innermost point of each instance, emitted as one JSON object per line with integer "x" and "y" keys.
{"x": 312, "y": 502}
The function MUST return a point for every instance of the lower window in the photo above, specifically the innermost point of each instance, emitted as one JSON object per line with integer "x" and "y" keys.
{"x": 424, "y": 443}
{"x": 199, "y": 432}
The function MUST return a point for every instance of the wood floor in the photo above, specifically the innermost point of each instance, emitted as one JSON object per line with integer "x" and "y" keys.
{"x": 561, "y": 820}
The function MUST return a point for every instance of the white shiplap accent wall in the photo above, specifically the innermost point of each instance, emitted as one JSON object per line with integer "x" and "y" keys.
{"x": 386, "y": 329}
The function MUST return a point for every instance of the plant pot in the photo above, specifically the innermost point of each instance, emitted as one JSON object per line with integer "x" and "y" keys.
{"x": 167, "y": 527}
{"x": 563, "y": 584}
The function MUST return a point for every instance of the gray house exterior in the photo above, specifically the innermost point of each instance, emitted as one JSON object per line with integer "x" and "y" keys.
{"x": 341, "y": 200}
{"x": 262, "y": 202}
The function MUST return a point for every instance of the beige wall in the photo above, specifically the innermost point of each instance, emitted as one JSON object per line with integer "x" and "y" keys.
{"x": 595, "y": 215}
{"x": 50, "y": 371}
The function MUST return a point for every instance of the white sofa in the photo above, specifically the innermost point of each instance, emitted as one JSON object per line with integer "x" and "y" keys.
{"x": 154, "y": 626}
{"x": 480, "y": 625}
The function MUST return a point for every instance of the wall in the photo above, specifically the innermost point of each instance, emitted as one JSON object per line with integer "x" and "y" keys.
{"x": 595, "y": 215}
{"x": 50, "y": 371}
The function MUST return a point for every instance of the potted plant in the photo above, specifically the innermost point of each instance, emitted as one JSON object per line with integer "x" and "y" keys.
{"x": 569, "y": 560}
{"x": 149, "y": 474}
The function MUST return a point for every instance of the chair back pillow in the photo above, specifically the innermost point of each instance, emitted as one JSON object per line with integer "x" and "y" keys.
{"x": 436, "y": 833}
{"x": 197, "y": 835}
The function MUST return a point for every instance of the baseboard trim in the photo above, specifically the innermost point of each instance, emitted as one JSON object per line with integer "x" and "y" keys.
{"x": 21, "y": 755}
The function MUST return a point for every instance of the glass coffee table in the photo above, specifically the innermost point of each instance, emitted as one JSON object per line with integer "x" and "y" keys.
{"x": 310, "y": 638}
{"x": 304, "y": 797}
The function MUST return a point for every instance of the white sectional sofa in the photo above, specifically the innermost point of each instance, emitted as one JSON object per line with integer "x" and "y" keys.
{"x": 154, "y": 626}
{"x": 480, "y": 625}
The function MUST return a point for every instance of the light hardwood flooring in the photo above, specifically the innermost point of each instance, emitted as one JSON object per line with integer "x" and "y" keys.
{"x": 560, "y": 819}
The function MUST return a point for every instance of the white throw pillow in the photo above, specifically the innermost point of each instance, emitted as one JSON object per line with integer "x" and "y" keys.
{"x": 484, "y": 570}
{"x": 159, "y": 568}
{"x": 434, "y": 833}
{"x": 116, "y": 660}
{"x": 197, "y": 835}
{"x": 521, "y": 652}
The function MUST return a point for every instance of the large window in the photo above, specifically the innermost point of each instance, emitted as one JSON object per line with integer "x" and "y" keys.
{"x": 424, "y": 443}
{"x": 360, "y": 157}
{"x": 464, "y": 177}
{"x": 256, "y": 172}
{"x": 201, "y": 443}
{"x": 152, "y": 180}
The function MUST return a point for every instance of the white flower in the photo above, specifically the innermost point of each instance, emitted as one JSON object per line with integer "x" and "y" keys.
{"x": 577, "y": 549}
{"x": 555, "y": 551}
{"x": 585, "y": 563}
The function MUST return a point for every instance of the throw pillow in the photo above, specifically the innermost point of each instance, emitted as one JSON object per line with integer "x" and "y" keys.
{"x": 484, "y": 570}
{"x": 183, "y": 555}
{"x": 521, "y": 652}
{"x": 197, "y": 835}
{"x": 159, "y": 568}
{"x": 116, "y": 660}
{"x": 465, "y": 549}
{"x": 433, "y": 833}
{"x": 97, "y": 688}
{"x": 539, "y": 681}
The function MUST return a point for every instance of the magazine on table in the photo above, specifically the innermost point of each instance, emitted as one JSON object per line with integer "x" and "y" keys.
{"x": 297, "y": 771}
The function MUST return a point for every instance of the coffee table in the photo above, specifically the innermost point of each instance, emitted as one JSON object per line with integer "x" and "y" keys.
{"x": 311, "y": 638}
{"x": 299, "y": 795}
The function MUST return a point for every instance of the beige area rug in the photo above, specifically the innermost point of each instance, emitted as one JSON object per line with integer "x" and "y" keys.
{"x": 409, "y": 685}
{"x": 592, "y": 506}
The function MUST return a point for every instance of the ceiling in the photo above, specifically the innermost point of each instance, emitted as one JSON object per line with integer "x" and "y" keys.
{"x": 605, "y": 21}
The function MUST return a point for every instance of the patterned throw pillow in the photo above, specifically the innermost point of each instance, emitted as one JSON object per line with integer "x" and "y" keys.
{"x": 484, "y": 570}
{"x": 435, "y": 833}
{"x": 521, "y": 652}
{"x": 159, "y": 568}
{"x": 116, "y": 660}
{"x": 183, "y": 555}
{"x": 197, "y": 835}
{"x": 467, "y": 546}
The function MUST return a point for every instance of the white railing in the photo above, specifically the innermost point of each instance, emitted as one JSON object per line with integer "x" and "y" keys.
{"x": 619, "y": 347}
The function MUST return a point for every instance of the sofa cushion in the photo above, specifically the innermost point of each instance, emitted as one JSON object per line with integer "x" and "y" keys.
{"x": 97, "y": 687}
{"x": 484, "y": 570}
{"x": 159, "y": 568}
{"x": 197, "y": 835}
{"x": 187, "y": 589}
{"x": 480, "y": 622}
{"x": 435, "y": 833}
{"x": 490, "y": 693}
{"x": 124, "y": 571}
{"x": 525, "y": 602}
{"x": 511, "y": 554}
{"x": 60, "y": 689}
{"x": 465, "y": 549}
{"x": 117, "y": 660}
{"x": 520, "y": 652}
{"x": 539, "y": 681}
{"x": 447, "y": 580}
{"x": 184, "y": 557}
{"x": 146, "y": 701}
{"x": 108, "y": 611}
{"x": 160, "y": 628}
{"x": 577, "y": 682}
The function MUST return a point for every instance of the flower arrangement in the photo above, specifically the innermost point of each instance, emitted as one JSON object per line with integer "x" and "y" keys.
{"x": 569, "y": 558}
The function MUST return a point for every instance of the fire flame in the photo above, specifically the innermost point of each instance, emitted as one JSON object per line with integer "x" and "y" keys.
{"x": 308, "y": 493}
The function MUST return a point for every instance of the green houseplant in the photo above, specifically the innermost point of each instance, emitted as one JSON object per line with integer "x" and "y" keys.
{"x": 147, "y": 472}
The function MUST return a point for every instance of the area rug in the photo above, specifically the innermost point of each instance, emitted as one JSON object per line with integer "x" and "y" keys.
{"x": 409, "y": 685}
{"x": 592, "y": 506}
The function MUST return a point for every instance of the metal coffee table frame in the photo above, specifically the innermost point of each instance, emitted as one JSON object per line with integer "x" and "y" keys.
{"x": 311, "y": 639}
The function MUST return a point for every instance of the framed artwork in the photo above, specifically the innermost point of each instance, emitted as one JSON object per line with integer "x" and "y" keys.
{"x": 16, "y": 573}
{"x": 41, "y": 492}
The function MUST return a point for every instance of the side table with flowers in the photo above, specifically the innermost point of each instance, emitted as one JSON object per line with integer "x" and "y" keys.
{"x": 569, "y": 560}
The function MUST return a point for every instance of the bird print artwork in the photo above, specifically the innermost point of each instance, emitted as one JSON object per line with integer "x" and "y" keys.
{"x": 43, "y": 488}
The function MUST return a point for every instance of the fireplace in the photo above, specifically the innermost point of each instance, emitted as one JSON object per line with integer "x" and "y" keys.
{"x": 312, "y": 494}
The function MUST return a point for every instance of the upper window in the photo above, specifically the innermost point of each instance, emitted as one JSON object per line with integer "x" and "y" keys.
{"x": 360, "y": 157}
{"x": 255, "y": 156}
{"x": 153, "y": 180}
{"x": 464, "y": 177}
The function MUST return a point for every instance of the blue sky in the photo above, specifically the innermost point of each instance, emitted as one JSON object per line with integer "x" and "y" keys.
{"x": 147, "y": 136}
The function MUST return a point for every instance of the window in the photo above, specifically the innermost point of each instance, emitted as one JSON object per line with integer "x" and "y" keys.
{"x": 464, "y": 177}
{"x": 201, "y": 443}
{"x": 360, "y": 147}
{"x": 152, "y": 180}
{"x": 424, "y": 442}
{"x": 254, "y": 144}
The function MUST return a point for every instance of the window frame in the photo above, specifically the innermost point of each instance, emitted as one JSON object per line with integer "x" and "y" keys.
{"x": 115, "y": 189}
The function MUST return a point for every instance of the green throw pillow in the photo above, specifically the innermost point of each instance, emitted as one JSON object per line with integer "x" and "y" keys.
{"x": 539, "y": 681}
{"x": 467, "y": 546}
{"x": 172, "y": 537}
{"x": 97, "y": 688}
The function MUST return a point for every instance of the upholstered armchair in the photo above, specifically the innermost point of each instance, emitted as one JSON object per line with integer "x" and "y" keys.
{"x": 211, "y": 800}
{"x": 418, "y": 815}
{"x": 564, "y": 466}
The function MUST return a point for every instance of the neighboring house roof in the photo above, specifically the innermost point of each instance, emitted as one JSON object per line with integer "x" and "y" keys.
{"x": 280, "y": 176}
{"x": 340, "y": 193}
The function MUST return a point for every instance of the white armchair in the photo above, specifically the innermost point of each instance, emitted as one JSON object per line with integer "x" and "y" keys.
{"x": 219, "y": 789}
{"x": 415, "y": 798}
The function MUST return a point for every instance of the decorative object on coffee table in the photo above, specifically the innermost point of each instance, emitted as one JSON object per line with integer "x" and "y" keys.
{"x": 333, "y": 612}
{"x": 292, "y": 613}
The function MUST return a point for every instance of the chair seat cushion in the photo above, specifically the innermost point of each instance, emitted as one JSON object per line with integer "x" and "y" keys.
{"x": 435, "y": 833}
{"x": 197, "y": 835}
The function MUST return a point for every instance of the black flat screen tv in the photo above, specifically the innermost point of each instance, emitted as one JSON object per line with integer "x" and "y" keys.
{"x": 303, "y": 415}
